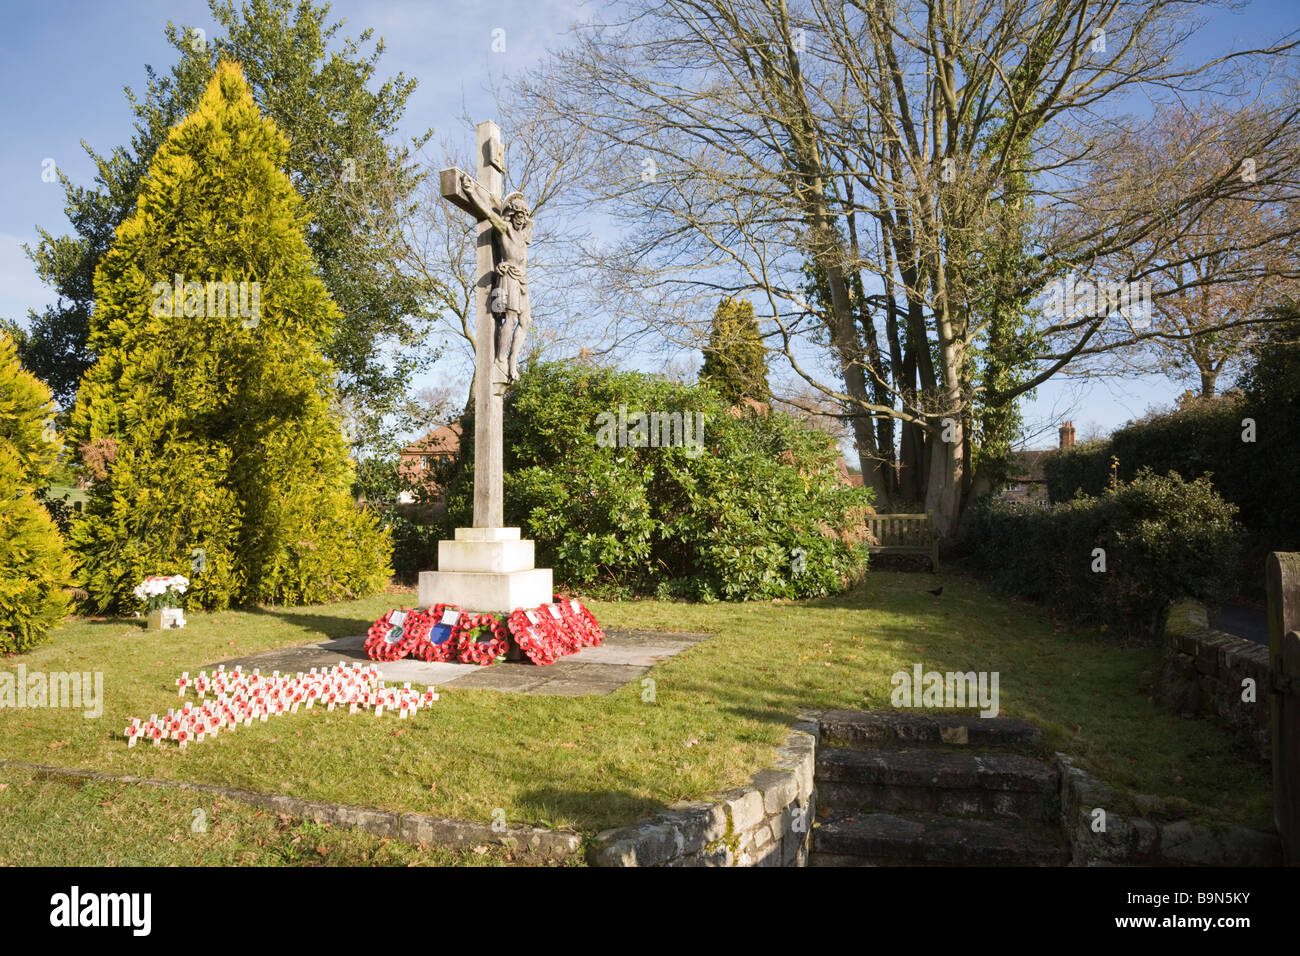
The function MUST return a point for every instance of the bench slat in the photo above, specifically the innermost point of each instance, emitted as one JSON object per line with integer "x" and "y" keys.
{"x": 904, "y": 534}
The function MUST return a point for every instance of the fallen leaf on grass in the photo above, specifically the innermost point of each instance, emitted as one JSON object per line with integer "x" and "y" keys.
{"x": 56, "y": 744}
{"x": 480, "y": 850}
{"x": 323, "y": 850}
{"x": 567, "y": 744}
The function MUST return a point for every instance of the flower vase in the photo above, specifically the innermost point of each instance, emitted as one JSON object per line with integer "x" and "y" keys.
{"x": 165, "y": 618}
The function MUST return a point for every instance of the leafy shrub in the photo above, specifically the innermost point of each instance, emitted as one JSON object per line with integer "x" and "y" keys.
{"x": 1163, "y": 538}
{"x": 34, "y": 570}
{"x": 757, "y": 513}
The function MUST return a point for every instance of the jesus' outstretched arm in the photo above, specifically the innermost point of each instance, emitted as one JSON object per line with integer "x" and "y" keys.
{"x": 470, "y": 187}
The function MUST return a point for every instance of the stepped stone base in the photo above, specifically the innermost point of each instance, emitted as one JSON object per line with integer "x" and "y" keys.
{"x": 486, "y": 570}
{"x": 901, "y": 788}
{"x": 491, "y": 557}
{"x": 886, "y": 839}
{"x": 901, "y": 728}
{"x": 956, "y": 783}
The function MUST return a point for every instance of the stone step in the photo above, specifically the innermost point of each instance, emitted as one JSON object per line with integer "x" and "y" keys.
{"x": 901, "y": 728}
{"x": 937, "y": 781}
{"x": 886, "y": 839}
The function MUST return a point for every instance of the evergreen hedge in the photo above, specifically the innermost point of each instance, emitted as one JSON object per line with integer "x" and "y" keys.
{"x": 226, "y": 461}
{"x": 34, "y": 570}
{"x": 1162, "y": 538}
{"x": 1243, "y": 442}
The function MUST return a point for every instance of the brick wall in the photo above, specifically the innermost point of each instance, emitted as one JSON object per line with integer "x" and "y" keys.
{"x": 1204, "y": 671}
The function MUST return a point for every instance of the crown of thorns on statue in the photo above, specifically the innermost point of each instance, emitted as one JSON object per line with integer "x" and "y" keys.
{"x": 516, "y": 203}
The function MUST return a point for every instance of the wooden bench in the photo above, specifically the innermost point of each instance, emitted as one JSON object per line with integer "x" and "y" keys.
{"x": 903, "y": 534}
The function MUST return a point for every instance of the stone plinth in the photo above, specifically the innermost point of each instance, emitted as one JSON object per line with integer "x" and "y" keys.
{"x": 493, "y": 557}
{"x": 486, "y": 570}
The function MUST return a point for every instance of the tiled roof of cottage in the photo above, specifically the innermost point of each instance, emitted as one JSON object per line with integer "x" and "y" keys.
{"x": 444, "y": 439}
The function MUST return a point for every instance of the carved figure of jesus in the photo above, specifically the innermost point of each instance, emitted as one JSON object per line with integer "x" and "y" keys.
{"x": 513, "y": 230}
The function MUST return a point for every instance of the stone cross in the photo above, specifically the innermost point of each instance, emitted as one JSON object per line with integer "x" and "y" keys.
{"x": 491, "y": 372}
{"x": 488, "y": 568}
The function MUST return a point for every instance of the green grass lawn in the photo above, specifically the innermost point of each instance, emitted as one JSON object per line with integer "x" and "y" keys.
{"x": 718, "y": 710}
{"x": 56, "y": 821}
{"x": 69, "y": 494}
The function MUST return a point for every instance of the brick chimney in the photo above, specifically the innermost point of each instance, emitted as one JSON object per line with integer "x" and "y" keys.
{"x": 1067, "y": 435}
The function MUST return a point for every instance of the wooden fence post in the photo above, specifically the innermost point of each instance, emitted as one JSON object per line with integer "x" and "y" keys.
{"x": 1282, "y": 573}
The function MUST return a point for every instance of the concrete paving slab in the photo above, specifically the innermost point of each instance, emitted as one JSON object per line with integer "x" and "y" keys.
{"x": 438, "y": 673}
{"x": 623, "y": 657}
{"x": 575, "y": 669}
{"x": 572, "y": 688}
{"x": 354, "y": 646}
{"x": 661, "y": 638}
{"x": 638, "y": 655}
{"x": 503, "y": 677}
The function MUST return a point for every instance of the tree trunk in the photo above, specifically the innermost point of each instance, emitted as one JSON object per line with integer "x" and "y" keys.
{"x": 1209, "y": 378}
{"x": 943, "y": 490}
{"x": 845, "y": 339}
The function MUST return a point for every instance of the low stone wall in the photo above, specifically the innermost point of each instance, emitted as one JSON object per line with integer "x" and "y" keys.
{"x": 768, "y": 822}
{"x": 1204, "y": 672}
{"x": 1124, "y": 833}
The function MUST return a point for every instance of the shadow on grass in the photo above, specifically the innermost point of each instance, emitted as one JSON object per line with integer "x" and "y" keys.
{"x": 97, "y": 623}
{"x": 323, "y": 625}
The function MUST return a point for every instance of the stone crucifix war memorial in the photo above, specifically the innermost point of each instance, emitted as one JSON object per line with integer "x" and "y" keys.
{"x": 488, "y": 567}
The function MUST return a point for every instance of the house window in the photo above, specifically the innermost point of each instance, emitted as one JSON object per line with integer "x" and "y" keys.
{"x": 424, "y": 462}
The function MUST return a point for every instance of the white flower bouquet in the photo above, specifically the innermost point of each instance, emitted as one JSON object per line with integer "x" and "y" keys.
{"x": 158, "y": 592}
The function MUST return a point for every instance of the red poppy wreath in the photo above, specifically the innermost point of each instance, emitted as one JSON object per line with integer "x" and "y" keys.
{"x": 582, "y": 622}
{"x": 395, "y": 634}
{"x": 439, "y": 640}
{"x": 534, "y": 638}
{"x": 480, "y": 639}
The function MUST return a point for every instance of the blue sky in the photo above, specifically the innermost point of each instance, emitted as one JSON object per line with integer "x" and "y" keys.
{"x": 63, "y": 66}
